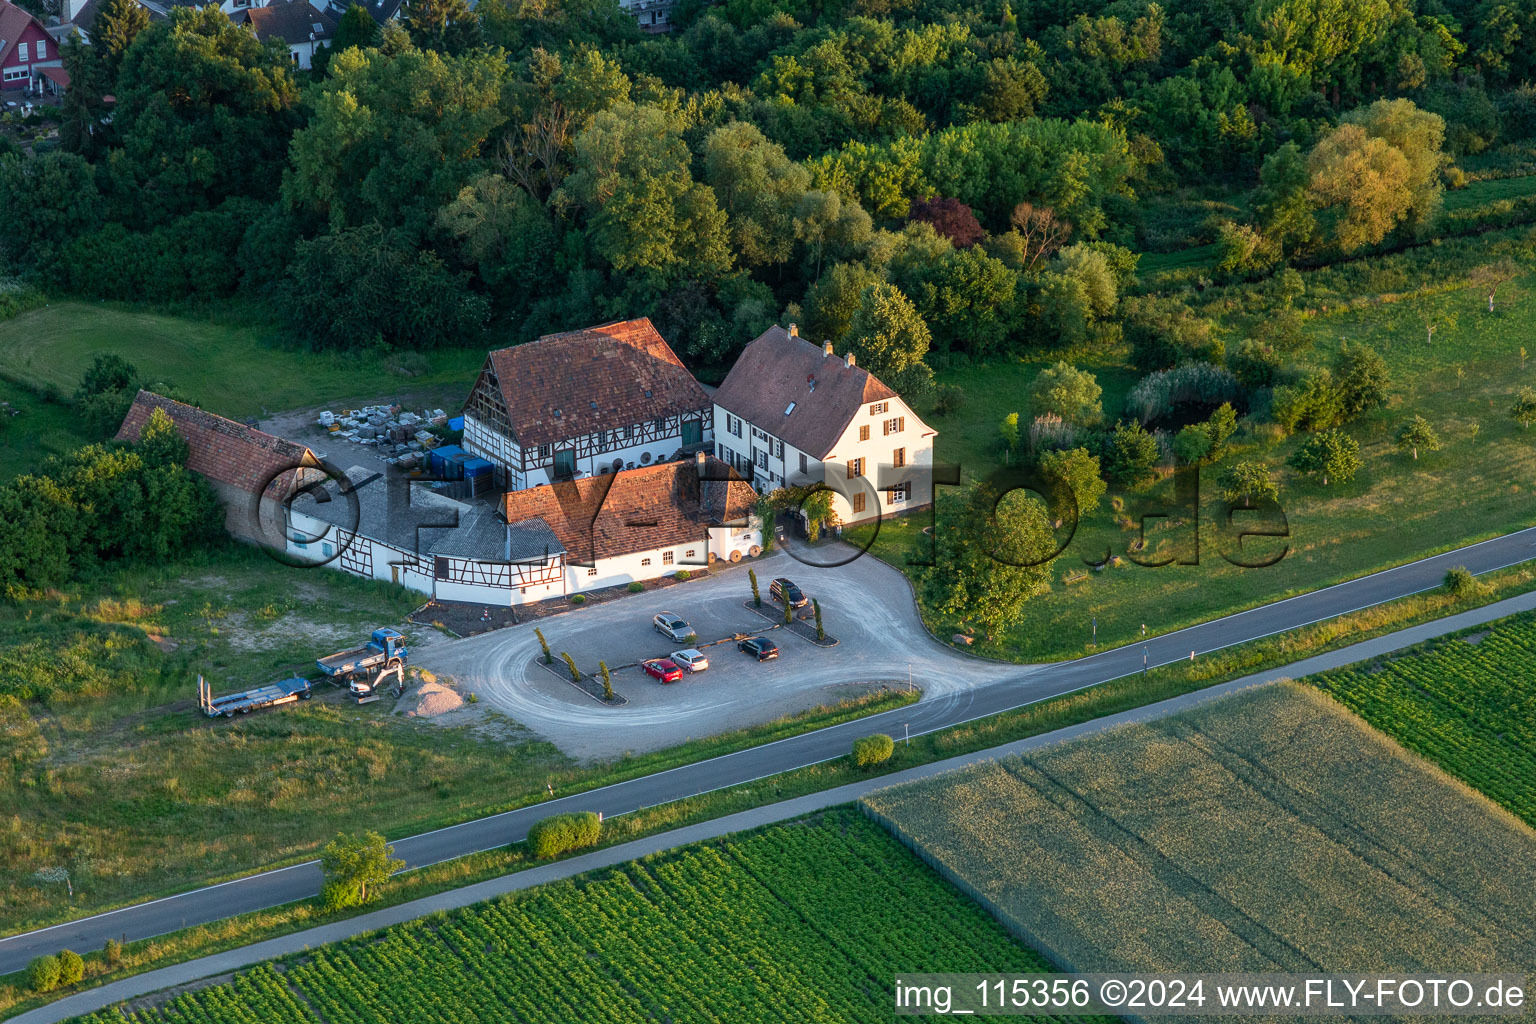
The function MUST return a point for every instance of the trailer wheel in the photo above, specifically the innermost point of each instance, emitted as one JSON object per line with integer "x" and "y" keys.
{"x": 754, "y": 550}
{"x": 305, "y": 695}
{"x": 735, "y": 556}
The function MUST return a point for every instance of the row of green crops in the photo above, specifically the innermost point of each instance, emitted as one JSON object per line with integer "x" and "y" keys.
{"x": 806, "y": 921}
{"x": 1468, "y": 704}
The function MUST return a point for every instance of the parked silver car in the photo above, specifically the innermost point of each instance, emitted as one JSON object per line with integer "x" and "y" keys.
{"x": 672, "y": 626}
{"x": 691, "y": 659}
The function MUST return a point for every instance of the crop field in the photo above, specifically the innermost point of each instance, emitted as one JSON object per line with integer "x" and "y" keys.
{"x": 1467, "y": 703}
{"x": 1268, "y": 831}
{"x": 807, "y": 921}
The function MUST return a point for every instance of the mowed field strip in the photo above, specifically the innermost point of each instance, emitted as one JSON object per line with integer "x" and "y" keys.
{"x": 1269, "y": 831}
{"x": 810, "y": 920}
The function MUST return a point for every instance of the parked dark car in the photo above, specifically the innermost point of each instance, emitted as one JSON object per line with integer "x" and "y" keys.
{"x": 760, "y": 647}
{"x": 782, "y": 590}
{"x": 663, "y": 669}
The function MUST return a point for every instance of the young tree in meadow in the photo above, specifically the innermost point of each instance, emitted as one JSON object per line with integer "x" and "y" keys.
{"x": 1247, "y": 482}
{"x": 1417, "y": 434}
{"x": 1329, "y": 455}
{"x": 1077, "y": 474}
{"x": 1130, "y": 453}
{"x": 1490, "y": 277}
{"x": 1524, "y": 409}
{"x": 1362, "y": 379}
{"x": 353, "y": 865}
{"x": 1008, "y": 430}
{"x": 1070, "y": 393}
{"x": 1192, "y": 445}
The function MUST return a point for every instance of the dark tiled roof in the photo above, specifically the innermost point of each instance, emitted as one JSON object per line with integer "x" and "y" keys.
{"x": 601, "y": 378}
{"x": 776, "y": 369}
{"x": 222, "y": 450}
{"x": 419, "y": 521}
{"x": 659, "y": 506}
{"x": 292, "y": 21}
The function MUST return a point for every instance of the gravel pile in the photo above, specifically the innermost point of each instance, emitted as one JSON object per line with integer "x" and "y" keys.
{"x": 435, "y": 699}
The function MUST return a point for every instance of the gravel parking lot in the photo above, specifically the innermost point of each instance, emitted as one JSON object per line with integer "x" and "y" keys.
{"x": 865, "y": 604}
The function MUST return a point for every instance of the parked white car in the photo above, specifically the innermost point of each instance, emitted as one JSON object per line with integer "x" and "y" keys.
{"x": 691, "y": 659}
{"x": 672, "y": 626}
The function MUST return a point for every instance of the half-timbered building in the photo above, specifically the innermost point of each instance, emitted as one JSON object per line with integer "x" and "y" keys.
{"x": 582, "y": 403}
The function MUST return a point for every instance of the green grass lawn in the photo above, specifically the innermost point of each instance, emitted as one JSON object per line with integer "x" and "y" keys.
{"x": 237, "y": 371}
{"x": 32, "y": 429}
{"x": 1479, "y": 484}
{"x": 1479, "y": 193}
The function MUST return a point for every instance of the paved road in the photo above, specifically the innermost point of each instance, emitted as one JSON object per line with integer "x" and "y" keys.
{"x": 231, "y": 960}
{"x": 1034, "y": 683}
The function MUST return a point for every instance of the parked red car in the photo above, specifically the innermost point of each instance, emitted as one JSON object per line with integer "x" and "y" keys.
{"x": 664, "y": 669}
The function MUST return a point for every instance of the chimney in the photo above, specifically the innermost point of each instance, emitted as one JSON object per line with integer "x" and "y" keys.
{"x": 700, "y": 459}
{"x": 794, "y": 332}
{"x": 848, "y": 360}
{"x": 826, "y": 350}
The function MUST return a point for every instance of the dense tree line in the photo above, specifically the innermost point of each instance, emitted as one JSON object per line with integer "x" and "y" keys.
{"x": 908, "y": 178}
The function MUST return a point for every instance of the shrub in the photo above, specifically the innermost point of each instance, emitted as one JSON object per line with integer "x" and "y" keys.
{"x": 682, "y": 574}
{"x": 602, "y": 668}
{"x": 43, "y": 974}
{"x": 1130, "y": 453}
{"x": 1459, "y": 582}
{"x": 578, "y": 599}
{"x": 816, "y": 607}
{"x": 71, "y": 967}
{"x": 112, "y": 953}
{"x": 561, "y": 833}
{"x": 872, "y": 750}
{"x": 1191, "y": 384}
{"x": 757, "y": 597}
{"x": 570, "y": 664}
{"x": 548, "y": 657}
{"x": 1192, "y": 444}
{"x": 948, "y": 400}
{"x": 636, "y": 587}
{"x": 1256, "y": 364}
{"x": 1313, "y": 403}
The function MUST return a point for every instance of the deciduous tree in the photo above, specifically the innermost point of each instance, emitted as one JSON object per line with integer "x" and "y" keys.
{"x": 353, "y": 865}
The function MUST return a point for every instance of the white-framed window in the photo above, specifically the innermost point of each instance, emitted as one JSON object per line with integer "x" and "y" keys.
{"x": 895, "y": 425}
{"x": 42, "y": 50}
{"x": 13, "y": 74}
{"x": 666, "y": 558}
{"x": 690, "y": 552}
{"x": 733, "y": 425}
{"x": 21, "y": 52}
{"x": 879, "y": 407}
{"x": 901, "y": 493}
{"x": 778, "y": 449}
{"x": 543, "y": 451}
{"x": 760, "y": 457}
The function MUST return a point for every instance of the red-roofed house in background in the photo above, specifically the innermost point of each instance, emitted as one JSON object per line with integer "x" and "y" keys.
{"x": 245, "y": 467}
{"x": 582, "y": 403}
{"x": 26, "y": 49}
{"x": 792, "y": 412}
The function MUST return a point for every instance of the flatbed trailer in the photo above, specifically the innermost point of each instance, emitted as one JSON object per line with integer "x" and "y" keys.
{"x": 385, "y": 649}
{"x": 284, "y": 691}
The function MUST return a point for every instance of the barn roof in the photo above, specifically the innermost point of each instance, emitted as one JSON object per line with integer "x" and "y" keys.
{"x": 796, "y": 391}
{"x": 220, "y": 449}
{"x": 660, "y": 506}
{"x": 598, "y": 378}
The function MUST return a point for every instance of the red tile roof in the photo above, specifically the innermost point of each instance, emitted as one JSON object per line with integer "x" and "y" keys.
{"x": 600, "y": 378}
{"x": 777, "y": 369}
{"x": 635, "y": 510}
{"x": 222, "y": 450}
{"x": 13, "y": 22}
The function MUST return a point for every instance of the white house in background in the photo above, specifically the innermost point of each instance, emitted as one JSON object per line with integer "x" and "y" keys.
{"x": 575, "y": 405}
{"x": 639, "y": 524}
{"x": 792, "y": 413}
{"x": 296, "y": 23}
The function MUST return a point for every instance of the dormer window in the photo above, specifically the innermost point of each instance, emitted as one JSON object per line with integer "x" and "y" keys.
{"x": 789, "y": 409}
